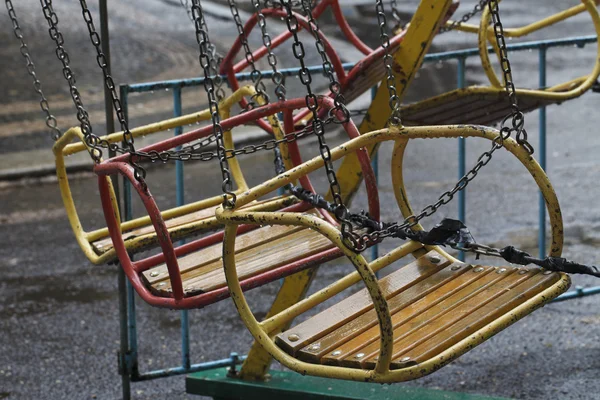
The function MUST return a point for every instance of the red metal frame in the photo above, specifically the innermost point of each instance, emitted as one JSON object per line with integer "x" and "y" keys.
{"x": 345, "y": 79}
{"x": 356, "y": 80}
{"x": 169, "y": 255}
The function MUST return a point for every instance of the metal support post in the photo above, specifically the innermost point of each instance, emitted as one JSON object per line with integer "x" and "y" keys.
{"x": 542, "y": 155}
{"x": 462, "y": 170}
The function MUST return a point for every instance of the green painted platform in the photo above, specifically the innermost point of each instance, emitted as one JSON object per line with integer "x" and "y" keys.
{"x": 292, "y": 386}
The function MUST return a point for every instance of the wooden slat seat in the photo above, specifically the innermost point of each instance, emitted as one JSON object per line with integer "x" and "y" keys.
{"x": 184, "y": 225}
{"x": 478, "y": 105}
{"x": 257, "y": 252}
{"x": 432, "y": 306}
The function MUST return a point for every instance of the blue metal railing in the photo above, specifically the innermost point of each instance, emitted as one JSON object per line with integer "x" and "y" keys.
{"x": 129, "y": 360}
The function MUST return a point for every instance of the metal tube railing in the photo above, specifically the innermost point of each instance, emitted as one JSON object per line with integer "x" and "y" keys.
{"x": 130, "y": 367}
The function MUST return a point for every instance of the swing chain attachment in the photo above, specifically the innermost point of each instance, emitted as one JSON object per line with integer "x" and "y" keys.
{"x": 394, "y": 100}
{"x": 229, "y": 197}
{"x": 516, "y": 117}
{"x": 51, "y": 122}
{"x": 466, "y": 17}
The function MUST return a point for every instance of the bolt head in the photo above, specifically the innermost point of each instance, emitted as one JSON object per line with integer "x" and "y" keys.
{"x": 501, "y": 271}
{"x": 405, "y": 359}
{"x": 293, "y": 337}
{"x": 523, "y": 271}
{"x": 336, "y": 353}
{"x": 455, "y": 267}
{"x": 478, "y": 269}
{"x": 315, "y": 347}
{"x": 154, "y": 274}
{"x": 360, "y": 355}
{"x": 435, "y": 259}
{"x": 547, "y": 272}
{"x": 162, "y": 284}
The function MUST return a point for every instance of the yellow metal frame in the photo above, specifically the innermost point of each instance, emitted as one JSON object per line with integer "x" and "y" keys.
{"x": 66, "y": 146}
{"x": 408, "y": 59}
{"x": 264, "y": 332}
{"x": 562, "y": 92}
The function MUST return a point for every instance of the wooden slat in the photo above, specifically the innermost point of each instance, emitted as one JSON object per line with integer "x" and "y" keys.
{"x": 475, "y": 107}
{"x": 206, "y": 215}
{"x": 355, "y": 305}
{"x": 503, "y": 303}
{"x": 349, "y": 337}
{"x": 213, "y": 253}
{"x": 415, "y": 314}
{"x": 269, "y": 254}
{"x": 257, "y": 251}
{"x": 431, "y": 323}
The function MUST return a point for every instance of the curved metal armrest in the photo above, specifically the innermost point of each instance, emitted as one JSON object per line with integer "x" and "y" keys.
{"x": 103, "y": 170}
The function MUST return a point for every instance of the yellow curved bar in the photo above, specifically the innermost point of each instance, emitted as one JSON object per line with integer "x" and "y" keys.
{"x": 65, "y": 147}
{"x": 262, "y": 332}
{"x": 556, "y": 93}
{"x": 527, "y": 29}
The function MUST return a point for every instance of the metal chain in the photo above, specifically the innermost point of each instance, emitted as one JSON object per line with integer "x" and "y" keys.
{"x": 465, "y": 18}
{"x": 516, "y": 117}
{"x": 255, "y": 74}
{"x": 341, "y": 212}
{"x": 271, "y": 144}
{"x": 82, "y": 115}
{"x": 139, "y": 172}
{"x": 334, "y": 85}
{"x": 229, "y": 197}
{"x": 277, "y": 77}
{"x": 387, "y": 230}
{"x": 51, "y": 123}
{"x": 396, "y": 13}
{"x": 394, "y": 100}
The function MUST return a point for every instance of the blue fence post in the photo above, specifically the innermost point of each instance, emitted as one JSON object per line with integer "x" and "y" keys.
{"x": 180, "y": 198}
{"x": 542, "y": 153}
{"x": 128, "y": 215}
{"x": 462, "y": 170}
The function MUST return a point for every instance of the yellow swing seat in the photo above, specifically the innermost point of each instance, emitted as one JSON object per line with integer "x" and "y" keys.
{"x": 439, "y": 309}
{"x": 487, "y": 105}
{"x": 184, "y": 221}
{"x": 414, "y": 320}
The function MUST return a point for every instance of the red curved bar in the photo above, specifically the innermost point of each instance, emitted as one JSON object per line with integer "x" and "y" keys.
{"x": 317, "y": 11}
{"x": 228, "y": 69}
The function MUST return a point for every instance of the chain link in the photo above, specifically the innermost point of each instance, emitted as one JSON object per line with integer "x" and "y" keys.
{"x": 517, "y": 127}
{"x": 255, "y": 73}
{"x": 139, "y": 172}
{"x": 465, "y": 18}
{"x": 277, "y": 77}
{"x": 318, "y": 126}
{"x": 82, "y": 115}
{"x": 394, "y": 100}
{"x": 51, "y": 122}
{"x": 229, "y": 197}
{"x": 516, "y": 117}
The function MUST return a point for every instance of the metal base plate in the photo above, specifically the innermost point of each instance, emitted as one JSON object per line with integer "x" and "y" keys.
{"x": 292, "y": 386}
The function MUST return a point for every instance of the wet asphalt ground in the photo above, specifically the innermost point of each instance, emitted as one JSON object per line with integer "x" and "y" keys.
{"x": 59, "y": 314}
